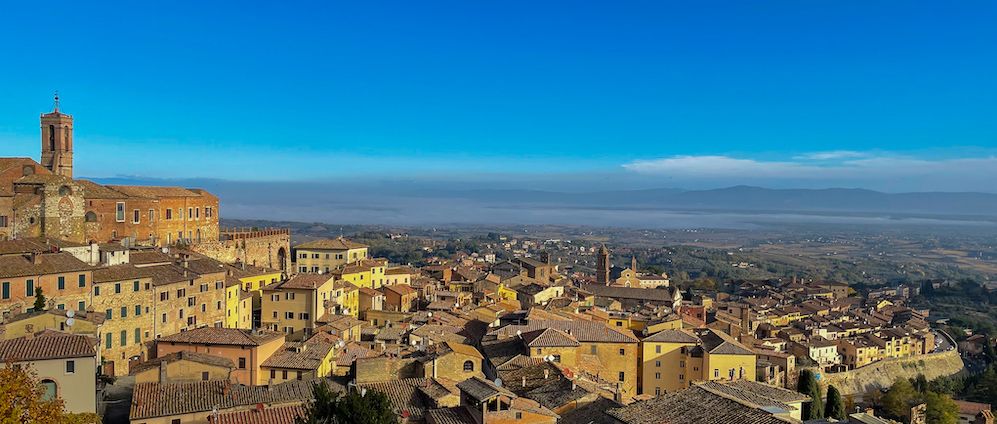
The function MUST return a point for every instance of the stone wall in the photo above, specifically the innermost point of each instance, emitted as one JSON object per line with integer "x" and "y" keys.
{"x": 269, "y": 248}
{"x": 883, "y": 373}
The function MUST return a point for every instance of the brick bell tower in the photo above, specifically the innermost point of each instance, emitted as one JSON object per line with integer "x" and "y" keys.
{"x": 57, "y": 141}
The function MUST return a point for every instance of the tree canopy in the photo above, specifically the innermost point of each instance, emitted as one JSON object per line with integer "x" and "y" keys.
{"x": 22, "y": 400}
{"x": 350, "y": 408}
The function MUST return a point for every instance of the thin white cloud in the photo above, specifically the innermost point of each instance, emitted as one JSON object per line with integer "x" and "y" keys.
{"x": 831, "y": 155}
{"x": 882, "y": 171}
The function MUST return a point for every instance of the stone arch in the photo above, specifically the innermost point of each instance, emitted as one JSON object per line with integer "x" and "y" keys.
{"x": 282, "y": 258}
{"x": 51, "y": 389}
{"x": 65, "y": 190}
{"x": 90, "y": 216}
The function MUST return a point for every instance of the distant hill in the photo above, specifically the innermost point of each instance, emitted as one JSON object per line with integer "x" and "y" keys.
{"x": 425, "y": 202}
{"x": 761, "y": 199}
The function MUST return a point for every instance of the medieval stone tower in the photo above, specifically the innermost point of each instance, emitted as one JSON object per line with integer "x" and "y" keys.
{"x": 57, "y": 141}
{"x": 602, "y": 265}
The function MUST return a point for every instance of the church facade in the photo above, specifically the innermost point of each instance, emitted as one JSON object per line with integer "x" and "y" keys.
{"x": 42, "y": 199}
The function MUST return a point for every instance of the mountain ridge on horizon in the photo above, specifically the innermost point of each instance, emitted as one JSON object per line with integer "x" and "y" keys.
{"x": 733, "y": 198}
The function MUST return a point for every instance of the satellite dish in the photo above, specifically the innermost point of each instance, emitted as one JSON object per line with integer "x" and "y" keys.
{"x": 70, "y": 322}
{"x": 498, "y": 382}
{"x": 70, "y": 313}
{"x": 550, "y": 358}
{"x": 430, "y": 314}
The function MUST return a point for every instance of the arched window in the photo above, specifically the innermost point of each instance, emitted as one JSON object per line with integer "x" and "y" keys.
{"x": 50, "y": 390}
{"x": 51, "y": 137}
{"x": 468, "y": 366}
{"x": 90, "y": 217}
{"x": 65, "y": 191}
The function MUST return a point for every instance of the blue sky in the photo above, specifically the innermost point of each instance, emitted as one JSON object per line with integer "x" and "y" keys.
{"x": 891, "y": 95}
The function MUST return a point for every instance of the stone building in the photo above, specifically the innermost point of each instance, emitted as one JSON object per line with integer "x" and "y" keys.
{"x": 42, "y": 199}
{"x": 123, "y": 294}
{"x": 63, "y": 279}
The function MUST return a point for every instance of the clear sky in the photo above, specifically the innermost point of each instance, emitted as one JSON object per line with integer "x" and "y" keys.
{"x": 892, "y": 95}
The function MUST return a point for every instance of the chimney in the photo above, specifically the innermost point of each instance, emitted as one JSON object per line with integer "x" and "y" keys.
{"x": 35, "y": 258}
{"x": 162, "y": 373}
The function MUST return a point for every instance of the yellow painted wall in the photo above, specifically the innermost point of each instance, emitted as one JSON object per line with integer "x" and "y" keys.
{"x": 664, "y": 368}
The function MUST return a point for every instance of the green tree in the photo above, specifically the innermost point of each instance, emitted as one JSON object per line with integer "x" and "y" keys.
{"x": 988, "y": 349}
{"x": 941, "y": 409}
{"x": 898, "y": 399}
{"x": 807, "y": 384}
{"x": 920, "y": 383}
{"x": 835, "y": 407}
{"x": 39, "y": 299}
{"x": 22, "y": 397}
{"x": 352, "y": 408}
{"x": 984, "y": 389}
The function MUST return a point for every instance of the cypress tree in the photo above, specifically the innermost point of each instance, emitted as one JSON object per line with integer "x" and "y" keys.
{"x": 808, "y": 385}
{"x": 835, "y": 407}
{"x": 39, "y": 299}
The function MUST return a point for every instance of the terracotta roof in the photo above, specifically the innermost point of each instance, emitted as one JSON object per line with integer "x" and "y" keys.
{"x": 42, "y": 179}
{"x": 146, "y": 257}
{"x": 154, "y": 192}
{"x": 279, "y": 415}
{"x": 404, "y": 395}
{"x": 92, "y": 190}
{"x": 756, "y": 393}
{"x": 583, "y": 331}
{"x": 331, "y": 244}
{"x": 11, "y": 169}
{"x": 118, "y": 273}
{"x": 299, "y": 356}
{"x": 40, "y": 348}
{"x": 351, "y": 353}
{"x": 672, "y": 336}
{"x": 971, "y": 408}
{"x": 481, "y": 389}
{"x": 695, "y": 405}
{"x": 658, "y": 295}
{"x": 202, "y": 358}
{"x": 167, "y": 274}
{"x": 340, "y": 322}
{"x": 455, "y": 415}
{"x": 401, "y": 289}
{"x": 463, "y": 349}
{"x": 549, "y": 337}
{"x": 48, "y": 263}
{"x": 24, "y": 245}
{"x": 304, "y": 281}
{"x": 150, "y": 400}
{"x": 223, "y": 336}
{"x": 718, "y": 343}
{"x": 400, "y": 270}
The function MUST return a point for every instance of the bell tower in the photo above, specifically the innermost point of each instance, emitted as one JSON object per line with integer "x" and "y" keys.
{"x": 602, "y": 266}
{"x": 57, "y": 141}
